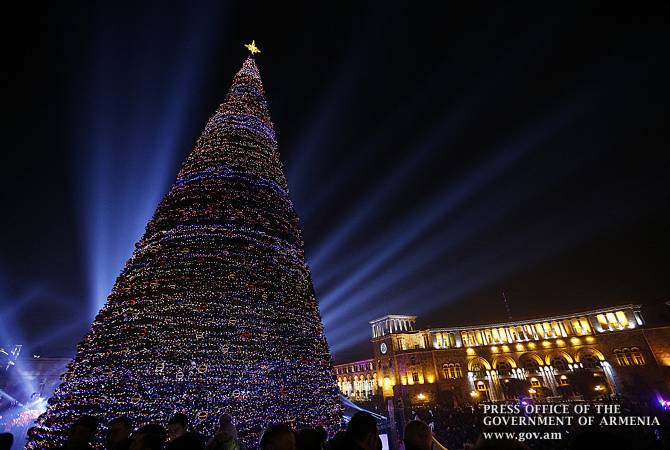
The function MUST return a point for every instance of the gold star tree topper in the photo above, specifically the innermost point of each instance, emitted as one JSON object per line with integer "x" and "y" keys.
{"x": 252, "y": 47}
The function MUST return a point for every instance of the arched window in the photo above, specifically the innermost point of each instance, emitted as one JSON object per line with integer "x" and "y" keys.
{"x": 504, "y": 368}
{"x": 531, "y": 366}
{"x": 628, "y": 355}
{"x": 590, "y": 362}
{"x": 458, "y": 373}
{"x": 621, "y": 358}
{"x": 478, "y": 370}
{"x": 638, "y": 359}
{"x": 452, "y": 370}
{"x": 559, "y": 363}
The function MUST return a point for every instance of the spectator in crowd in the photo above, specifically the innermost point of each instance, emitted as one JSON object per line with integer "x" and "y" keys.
{"x": 417, "y": 436}
{"x": 308, "y": 439}
{"x": 148, "y": 437}
{"x": 6, "y": 441}
{"x": 81, "y": 433}
{"x": 225, "y": 437}
{"x": 177, "y": 426}
{"x": 278, "y": 437}
{"x": 323, "y": 434}
{"x": 118, "y": 434}
{"x": 180, "y": 438}
{"x": 362, "y": 433}
{"x": 338, "y": 441}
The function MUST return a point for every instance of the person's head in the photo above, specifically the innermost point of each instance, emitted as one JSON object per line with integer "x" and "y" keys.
{"x": 119, "y": 429}
{"x": 362, "y": 429}
{"x": 308, "y": 439}
{"x": 82, "y": 431}
{"x": 417, "y": 436}
{"x": 177, "y": 425}
{"x": 322, "y": 433}
{"x": 6, "y": 441}
{"x": 148, "y": 437}
{"x": 278, "y": 437}
{"x": 225, "y": 421}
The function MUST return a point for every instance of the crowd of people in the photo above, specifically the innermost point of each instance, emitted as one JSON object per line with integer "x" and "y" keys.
{"x": 361, "y": 433}
{"x": 429, "y": 429}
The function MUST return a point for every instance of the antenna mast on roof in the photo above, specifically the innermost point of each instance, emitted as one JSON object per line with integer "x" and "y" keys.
{"x": 509, "y": 313}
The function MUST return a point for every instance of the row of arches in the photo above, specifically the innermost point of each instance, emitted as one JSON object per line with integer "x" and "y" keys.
{"x": 559, "y": 359}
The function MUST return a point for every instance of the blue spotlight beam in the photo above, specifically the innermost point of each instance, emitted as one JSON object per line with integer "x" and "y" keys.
{"x": 482, "y": 91}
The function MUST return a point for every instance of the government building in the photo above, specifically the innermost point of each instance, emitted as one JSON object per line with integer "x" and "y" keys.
{"x": 589, "y": 354}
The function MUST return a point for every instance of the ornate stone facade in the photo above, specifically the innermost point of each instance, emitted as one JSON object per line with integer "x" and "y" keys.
{"x": 599, "y": 352}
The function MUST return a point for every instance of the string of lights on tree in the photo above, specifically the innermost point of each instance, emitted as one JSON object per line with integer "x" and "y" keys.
{"x": 215, "y": 310}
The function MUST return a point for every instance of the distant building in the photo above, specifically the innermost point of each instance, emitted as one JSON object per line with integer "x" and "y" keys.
{"x": 599, "y": 352}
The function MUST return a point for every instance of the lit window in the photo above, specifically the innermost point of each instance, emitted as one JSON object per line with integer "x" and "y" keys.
{"x": 559, "y": 364}
{"x": 621, "y": 358}
{"x": 504, "y": 369}
{"x": 577, "y": 326}
{"x": 611, "y": 318}
{"x": 590, "y": 362}
{"x": 638, "y": 359}
{"x": 563, "y": 380}
{"x": 452, "y": 370}
{"x": 415, "y": 377}
{"x": 603, "y": 322}
{"x": 621, "y": 317}
{"x": 534, "y": 382}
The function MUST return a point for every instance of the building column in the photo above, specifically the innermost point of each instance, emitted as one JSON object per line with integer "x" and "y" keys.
{"x": 609, "y": 376}
{"x": 494, "y": 385}
{"x": 549, "y": 379}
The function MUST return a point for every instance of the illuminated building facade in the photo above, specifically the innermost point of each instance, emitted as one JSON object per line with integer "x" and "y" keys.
{"x": 599, "y": 352}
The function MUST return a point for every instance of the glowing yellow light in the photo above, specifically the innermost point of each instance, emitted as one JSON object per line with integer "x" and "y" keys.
{"x": 531, "y": 345}
{"x": 470, "y": 351}
{"x": 590, "y": 339}
{"x": 505, "y": 348}
{"x": 474, "y": 394}
{"x": 563, "y": 377}
{"x": 519, "y": 347}
{"x": 421, "y": 396}
{"x": 598, "y": 387}
{"x": 252, "y": 47}
{"x": 531, "y": 391}
{"x": 546, "y": 344}
{"x": 560, "y": 342}
{"x": 430, "y": 378}
{"x": 575, "y": 341}
{"x": 494, "y": 349}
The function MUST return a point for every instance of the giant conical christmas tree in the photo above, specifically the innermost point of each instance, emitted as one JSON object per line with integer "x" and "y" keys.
{"x": 215, "y": 311}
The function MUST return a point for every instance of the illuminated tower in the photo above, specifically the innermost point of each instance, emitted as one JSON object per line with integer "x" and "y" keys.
{"x": 215, "y": 310}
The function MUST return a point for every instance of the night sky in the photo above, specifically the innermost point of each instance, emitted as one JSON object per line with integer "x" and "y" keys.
{"x": 435, "y": 157}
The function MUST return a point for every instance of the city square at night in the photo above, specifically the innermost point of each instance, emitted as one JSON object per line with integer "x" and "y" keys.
{"x": 230, "y": 225}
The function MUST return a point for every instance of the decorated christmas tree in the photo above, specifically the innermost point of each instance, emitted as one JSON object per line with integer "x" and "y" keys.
{"x": 215, "y": 311}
